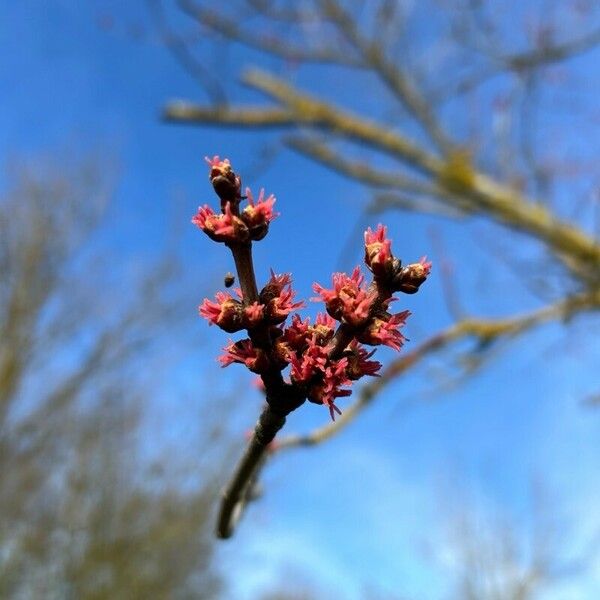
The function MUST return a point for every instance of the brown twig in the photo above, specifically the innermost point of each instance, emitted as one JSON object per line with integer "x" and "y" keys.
{"x": 281, "y": 400}
{"x": 235, "y": 495}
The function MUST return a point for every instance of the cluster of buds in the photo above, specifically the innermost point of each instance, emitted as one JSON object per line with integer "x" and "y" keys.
{"x": 231, "y": 225}
{"x": 316, "y": 361}
{"x": 387, "y": 269}
{"x": 275, "y": 303}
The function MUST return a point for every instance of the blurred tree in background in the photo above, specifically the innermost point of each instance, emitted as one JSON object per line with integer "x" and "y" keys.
{"x": 85, "y": 512}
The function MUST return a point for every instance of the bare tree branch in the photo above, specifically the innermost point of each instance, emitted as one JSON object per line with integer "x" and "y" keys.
{"x": 271, "y": 44}
{"x": 185, "y": 57}
{"x": 390, "y": 73}
{"x": 362, "y": 171}
{"x": 456, "y": 178}
{"x": 481, "y": 330}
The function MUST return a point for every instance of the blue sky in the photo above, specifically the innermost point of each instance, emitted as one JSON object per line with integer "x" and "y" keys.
{"x": 358, "y": 511}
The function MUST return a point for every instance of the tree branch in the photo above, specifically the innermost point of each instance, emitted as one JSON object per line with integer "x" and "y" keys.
{"x": 186, "y": 113}
{"x": 484, "y": 331}
{"x": 361, "y": 171}
{"x": 308, "y": 110}
{"x": 389, "y": 72}
{"x": 273, "y": 45}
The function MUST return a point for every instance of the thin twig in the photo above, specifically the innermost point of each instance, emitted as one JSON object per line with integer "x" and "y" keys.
{"x": 390, "y": 73}
{"x": 273, "y": 45}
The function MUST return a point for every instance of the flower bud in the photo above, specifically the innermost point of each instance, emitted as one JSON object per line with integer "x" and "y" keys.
{"x": 223, "y": 227}
{"x": 278, "y": 298}
{"x": 408, "y": 279}
{"x": 385, "y": 329}
{"x": 226, "y": 183}
{"x": 359, "y": 363}
{"x": 378, "y": 252}
{"x": 226, "y": 312}
{"x": 253, "y": 315}
{"x": 349, "y": 300}
{"x": 257, "y": 216}
{"x": 245, "y": 353}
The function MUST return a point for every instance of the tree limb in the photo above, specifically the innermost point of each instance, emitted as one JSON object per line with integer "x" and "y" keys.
{"x": 482, "y": 330}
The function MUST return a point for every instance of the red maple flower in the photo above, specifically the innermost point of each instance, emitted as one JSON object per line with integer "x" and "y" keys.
{"x": 308, "y": 363}
{"x": 225, "y": 312}
{"x": 225, "y": 182}
{"x": 325, "y": 392}
{"x": 300, "y": 333}
{"x": 324, "y": 377}
{"x": 204, "y": 215}
{"x": 253, "y": 314}
{"x": 260, "y": 213}
{"x": 323, "y": 328}
{"x": 278, "y": 298}
{"x": 359, "y": 363}
{"x": 378, "y": 251}
{"x": 276, "y": 283}
{"x": 296, "y": 336}
{"x": 411, "y": 277}
{"x": 384, "y": 329}
{"x": 222, "y": 227}
{"x": 349, "y": 300}
{"x": 423, "y": 266}
{"x": 245, "y": 353}
{"x": 218, "y": 167}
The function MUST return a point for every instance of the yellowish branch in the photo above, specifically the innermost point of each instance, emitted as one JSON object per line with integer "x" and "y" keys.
{"x": 320, "y": 114}
{"x": 458, "y": 182}
{"x": 361, "y": 171}
{"x": 181, "y": 111}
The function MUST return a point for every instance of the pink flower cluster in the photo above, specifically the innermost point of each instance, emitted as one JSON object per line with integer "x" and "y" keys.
{"x": 256, "y": 216}
{"x": 364, "y": 309}
{"x": 276, "y": 302}
{"x": 278, "y": 298}
{"x": 305, "y": 347}
{"x": 312, "y": 366}
{"x": 325, "y": 357}
{"x": 385, "y": 329}
{"x": 348, "y": 301}
{"x": 231, "y": 226}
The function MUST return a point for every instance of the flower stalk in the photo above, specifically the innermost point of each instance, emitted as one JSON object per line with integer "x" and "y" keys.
{"x": 324, "y": 358}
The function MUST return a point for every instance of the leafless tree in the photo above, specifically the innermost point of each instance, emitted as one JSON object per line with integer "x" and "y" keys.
{"x": 495, "y": 556}
{"x": 83, "y": 512}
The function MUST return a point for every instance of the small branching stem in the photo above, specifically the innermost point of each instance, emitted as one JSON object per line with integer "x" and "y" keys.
{"x": 323, "y": 366}
{"x": 281, "y": 400}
